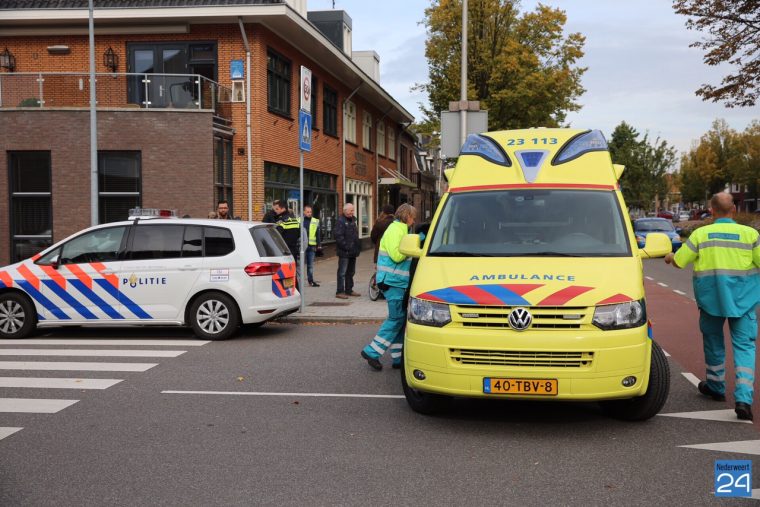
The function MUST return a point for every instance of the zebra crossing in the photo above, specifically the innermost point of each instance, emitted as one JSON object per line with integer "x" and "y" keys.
{"x": 47, "y": 356}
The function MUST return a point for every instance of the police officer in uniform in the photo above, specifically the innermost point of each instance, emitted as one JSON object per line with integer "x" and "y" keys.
{"x": 726, "y": 259}
{"x": 289, "y": 227}
{"x": 311, "y": 228}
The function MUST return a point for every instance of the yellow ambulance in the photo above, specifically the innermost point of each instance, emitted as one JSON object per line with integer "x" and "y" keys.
{"x": 529, "y": 283}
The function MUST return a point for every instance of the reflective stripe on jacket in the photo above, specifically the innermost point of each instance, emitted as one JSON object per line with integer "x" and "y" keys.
{"x": 313, "y": 228}
{"x": 393, "y": 266}
{"x": 726, "y": 259}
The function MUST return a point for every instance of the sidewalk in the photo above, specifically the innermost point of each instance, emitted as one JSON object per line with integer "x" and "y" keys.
{"x": 321, "y": 305}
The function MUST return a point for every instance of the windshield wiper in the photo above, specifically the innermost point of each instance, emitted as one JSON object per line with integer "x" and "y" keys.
{"x": 551, "y": 254}
{"x": 459, "y": 254}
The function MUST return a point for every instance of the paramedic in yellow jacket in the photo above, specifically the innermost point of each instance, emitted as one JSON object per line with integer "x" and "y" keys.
{"x": 393, "y": 280}
{"x": 726, "y": 259}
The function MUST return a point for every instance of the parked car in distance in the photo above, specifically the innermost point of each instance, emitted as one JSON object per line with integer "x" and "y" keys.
{"x": 668, "y": 215}
{"x": 683, "y": 216}
{"x": 643, "y": 226}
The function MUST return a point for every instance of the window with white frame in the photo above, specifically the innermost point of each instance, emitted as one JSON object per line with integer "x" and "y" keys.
{"x": 351, "y": 122}
{"x": 367, "y": 131}
{"x": 392, "y": 143}
{"x": 381, "y": 138}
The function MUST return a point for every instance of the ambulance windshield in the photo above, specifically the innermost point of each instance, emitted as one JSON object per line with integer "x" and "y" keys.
{"x": 528, "y": 223}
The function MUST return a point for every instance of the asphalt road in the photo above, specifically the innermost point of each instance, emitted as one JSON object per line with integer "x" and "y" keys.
{"x": 136, "y": 444}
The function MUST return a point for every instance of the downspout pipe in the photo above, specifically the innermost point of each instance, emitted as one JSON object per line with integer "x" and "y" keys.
{"x": 343, "y": 156}
{"x": 248, "y": 116}
{"x": 377, "y": 163}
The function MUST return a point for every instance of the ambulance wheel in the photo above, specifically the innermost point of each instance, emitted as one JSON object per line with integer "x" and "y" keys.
{"x": 422, "y": 402}
{"x": 214, "y": 316}
{"x": 647, "y": 406}
{"x": 18, "y": 317}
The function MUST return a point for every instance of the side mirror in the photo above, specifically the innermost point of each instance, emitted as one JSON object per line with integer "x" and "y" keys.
{"x": 410, "y": 245}
{"x": 53, "y": 262}
{"x": 657, "y": 245}
{"x": 679, "y": 230}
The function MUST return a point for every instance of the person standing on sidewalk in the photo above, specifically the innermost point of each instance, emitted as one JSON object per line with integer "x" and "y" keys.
{"x": 726, "y": 259}
{"x": 346, "y": 236}
{"x": 314, "y": 239}
{"x": 393, "y": 279}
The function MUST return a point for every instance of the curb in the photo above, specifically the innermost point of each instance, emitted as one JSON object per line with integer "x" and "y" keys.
{"x": 290, "y": 319}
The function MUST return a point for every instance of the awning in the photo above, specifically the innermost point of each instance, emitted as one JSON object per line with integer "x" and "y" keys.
{"x": 396, "y": 178}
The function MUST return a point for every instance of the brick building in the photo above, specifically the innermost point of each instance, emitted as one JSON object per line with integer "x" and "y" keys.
{"x": 175, "y": 126}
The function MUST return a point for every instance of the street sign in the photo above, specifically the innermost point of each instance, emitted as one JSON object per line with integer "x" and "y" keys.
{"x": 304, "y": 130}
{"x": 237, "y": 69}
{"x": 451, "y": 141}
{"x": 305, "y": 89}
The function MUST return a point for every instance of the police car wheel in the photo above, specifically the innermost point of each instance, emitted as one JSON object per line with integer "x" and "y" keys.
{"x": 214, "y": 316}
{"x": 421, "y": 402}
{"x": 17, "y": 316}
{"x": 647, "y": 406}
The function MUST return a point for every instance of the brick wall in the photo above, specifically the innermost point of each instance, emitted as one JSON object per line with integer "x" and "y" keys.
{"x": 176, "y": 152}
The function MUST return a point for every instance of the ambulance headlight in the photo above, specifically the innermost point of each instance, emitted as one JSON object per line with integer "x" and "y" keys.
{"x": 620, "y": 316}
{"x": 428, "y": 313}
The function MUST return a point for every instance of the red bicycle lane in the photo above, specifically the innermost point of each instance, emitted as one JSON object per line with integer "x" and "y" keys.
{"x": 675, "y": 326}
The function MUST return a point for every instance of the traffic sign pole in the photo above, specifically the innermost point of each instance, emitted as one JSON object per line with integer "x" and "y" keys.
{"x": 304, "y": 144}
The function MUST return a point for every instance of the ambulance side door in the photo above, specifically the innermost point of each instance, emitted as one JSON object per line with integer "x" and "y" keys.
{"x": 155, "y": 278}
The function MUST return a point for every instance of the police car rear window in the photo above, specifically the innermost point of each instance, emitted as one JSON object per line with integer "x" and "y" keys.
{"x": 218, "y": 241}
{"x": 268, "y": 242}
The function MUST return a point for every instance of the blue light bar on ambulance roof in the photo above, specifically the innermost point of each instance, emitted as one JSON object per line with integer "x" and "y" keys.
{"x": 579, "y": 145}
{"x": 486, "y": 148}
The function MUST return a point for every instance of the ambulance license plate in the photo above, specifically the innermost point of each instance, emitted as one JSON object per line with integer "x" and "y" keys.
{"x": 288, "y": 282}
{"x": 531, "y": 386}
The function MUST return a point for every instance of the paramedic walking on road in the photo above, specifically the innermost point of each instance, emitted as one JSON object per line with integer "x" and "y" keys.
{"x": 393, "y": 279}
{"x": 726, "y": 259}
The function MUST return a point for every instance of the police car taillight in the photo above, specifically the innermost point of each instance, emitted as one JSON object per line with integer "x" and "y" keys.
{"x": 262, "y": 268}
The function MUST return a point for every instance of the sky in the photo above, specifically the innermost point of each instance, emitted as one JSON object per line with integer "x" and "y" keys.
{"x": 641, "y": 69}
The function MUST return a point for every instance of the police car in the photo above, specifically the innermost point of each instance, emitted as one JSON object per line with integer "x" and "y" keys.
{"x": 212, "y": 275}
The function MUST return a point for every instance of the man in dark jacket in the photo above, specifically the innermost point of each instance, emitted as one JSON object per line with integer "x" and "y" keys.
{"x": 348, "y": 247}
{"x": 383, "y": 221}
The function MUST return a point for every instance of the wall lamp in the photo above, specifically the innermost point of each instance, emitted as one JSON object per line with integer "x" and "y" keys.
{"x": 7, "y": 60}
{"x": 110, "y": 59}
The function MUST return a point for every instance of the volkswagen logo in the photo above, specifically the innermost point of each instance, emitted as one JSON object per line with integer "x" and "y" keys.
{"x": 520, "y": 319}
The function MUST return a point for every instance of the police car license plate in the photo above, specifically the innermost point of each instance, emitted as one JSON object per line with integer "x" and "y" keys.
{"x": 288, "y": 282}
{"x": 531, "y": 386}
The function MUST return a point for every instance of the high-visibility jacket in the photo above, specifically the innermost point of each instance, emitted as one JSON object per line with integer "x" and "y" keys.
{"x": 392, "y": 265}
{"x": 726, "y": 259}
{"x": 313, "y": 229}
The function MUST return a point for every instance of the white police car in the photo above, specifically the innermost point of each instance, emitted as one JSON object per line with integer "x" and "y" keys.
{"x": 213, "y": 275}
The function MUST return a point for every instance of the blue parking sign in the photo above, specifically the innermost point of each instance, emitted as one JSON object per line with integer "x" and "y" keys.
{"x": 304, "y": 130}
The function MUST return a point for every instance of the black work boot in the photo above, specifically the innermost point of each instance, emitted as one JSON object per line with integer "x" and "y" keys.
{"x": 743, "y": 411}
{"x": 705, "y": 389}
{"x": 372, "y": 362}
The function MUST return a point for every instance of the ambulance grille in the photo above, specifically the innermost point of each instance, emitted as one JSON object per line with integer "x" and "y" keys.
{"x": 522, "y": 358}
{"x": 544, "y": 317}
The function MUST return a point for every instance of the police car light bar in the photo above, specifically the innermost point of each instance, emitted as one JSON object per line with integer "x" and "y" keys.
{"x": 592, "y": 140}
{"x": 486, "y": 148}
{"x": 151, "y": 213}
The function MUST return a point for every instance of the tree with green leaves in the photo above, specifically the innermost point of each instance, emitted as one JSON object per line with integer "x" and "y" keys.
{"x": 646, "y": 164}
{"x": 521, "y": 66}
{"x": 733, "y": 28}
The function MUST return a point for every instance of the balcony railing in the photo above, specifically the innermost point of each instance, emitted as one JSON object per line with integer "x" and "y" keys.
{"x": 119, "y": 90}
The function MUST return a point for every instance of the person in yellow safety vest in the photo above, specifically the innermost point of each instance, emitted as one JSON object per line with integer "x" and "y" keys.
{"x": 314, "y": 235}
{"x": 726, "y": 259}
{"x": 393, "y": 279}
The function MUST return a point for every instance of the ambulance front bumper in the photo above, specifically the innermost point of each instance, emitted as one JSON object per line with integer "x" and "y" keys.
{"x": 586, "y": 364}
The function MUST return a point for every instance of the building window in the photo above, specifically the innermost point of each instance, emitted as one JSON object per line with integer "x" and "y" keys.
{"x": 351, "y": 122}
{"x": 31, "y": 219}
{"x": 403, "y": 165}
{"x": 119, "y": 185}
{"x": 359, "y": 193}
{"x": 381, "y": 138}
{"x": 392, "y": 143}
{"x": 367, "y": 131}
{"x": 314, "y": 99}
{"x": 278, "y": 83}
{"x": 223, "y": 171}
{"x": 330, "y": 111}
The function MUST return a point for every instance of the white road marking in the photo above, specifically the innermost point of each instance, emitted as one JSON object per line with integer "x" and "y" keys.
{"x": 97, "y": 342}
{"x": 91, "y": 352}
{"x": 679, "y": 292}
{"x": 665, "y": 352}
{"x": 727, "y": 415}
{"x": 66, "y": 366}
{"x": 305, "y": 395}
{"x": 6, "y": 431}
{"x": 691, "y": 378}
{"x": 662, "y": 284}
{"x": 58, "y": 383}
{"x": 649, "y": 278}
{"x": 756, "y": 494}
{"x": 740, "y": 447}
{"x": 34, "y": 405}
